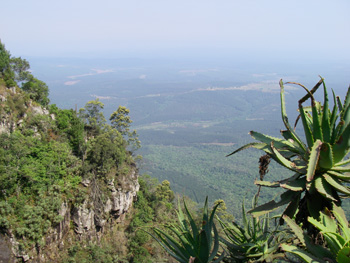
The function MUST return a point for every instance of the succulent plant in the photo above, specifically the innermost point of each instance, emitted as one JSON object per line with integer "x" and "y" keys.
{"x": 257, "y": 240}
{"x": 188, "y": 243}
{"x": 320, "y": 166}
{"x": 335, "y": 230}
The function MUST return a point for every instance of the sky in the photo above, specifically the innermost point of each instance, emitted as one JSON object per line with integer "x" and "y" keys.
{"x": 114, "y": 28}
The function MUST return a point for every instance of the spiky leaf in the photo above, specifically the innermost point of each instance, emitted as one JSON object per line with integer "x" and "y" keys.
{"x": 313, "y": 160}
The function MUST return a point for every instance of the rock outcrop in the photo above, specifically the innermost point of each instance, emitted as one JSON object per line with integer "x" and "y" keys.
{"x": 89, "y": 220}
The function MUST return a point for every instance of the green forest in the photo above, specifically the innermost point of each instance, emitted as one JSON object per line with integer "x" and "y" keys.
{"x": 48, "y": 157}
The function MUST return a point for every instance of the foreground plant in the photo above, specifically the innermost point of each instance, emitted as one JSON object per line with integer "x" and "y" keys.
{"x": 319, "y": 165}
{"x": 335, "y": 230}
{"x": 256, "y": 241}
{"x": 186, "y": 242}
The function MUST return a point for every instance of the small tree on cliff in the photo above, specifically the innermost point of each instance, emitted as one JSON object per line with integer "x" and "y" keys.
{"x": 121, "y": 122}
{"x": 92, "y": 116}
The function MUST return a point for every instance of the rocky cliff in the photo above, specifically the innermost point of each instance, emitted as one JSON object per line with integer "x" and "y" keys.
{"x": 88, "y": 206}
{"x": 87, "y": 221}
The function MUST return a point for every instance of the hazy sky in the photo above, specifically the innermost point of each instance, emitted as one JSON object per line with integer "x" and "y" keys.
{"x": 158, "y": 27}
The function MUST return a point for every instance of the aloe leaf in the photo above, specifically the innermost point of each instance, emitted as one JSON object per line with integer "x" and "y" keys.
{"x": 336, "y": 184}
{"x": 286, "y": 197}
{"x": 292, "y": 208}
{"x": 181, "y": 217}
{"x": 285, "y": 162}
{"x": 326, "y": 128}
{"x": 333, "y": 119}
{"x": 313, "y": 160}
{"x": 295, "y": 185}
{"x": 347, "y": 99}
{"x": 342, "y": 221}
{"x": 245, "y": 222}
{"x": 306, "y": 240}
{"x": 342, "y": 145}
{"x": 287, "y": 135}
{"x": 341, "y": 176}
{"x": 345, "y": 117}
{"x": 267, "y": 184}
{"x": 203, "y": 249}
{"x": 316, "y": 128}
{"x": 340, "y": 105}
{"x": 279, "y": 143}
{"x": 277, "y": 183}
{"x": 205, "y": 221}
{"x": 342, "y": 162}
{"x": 327, "y": 219}
{"x": 324, "y": 188}
{"x": 210, "y": 225}
{"x": 285, "y": 119}
{"x": 344, "y": 255}
{"x": 216, "y": 245}
{"x": 295, "y": 228}
{"x": 307, "y": 257}
{"x": 170, "y": 245}
{"x": 194, "y": 228}
{"x": 256, "y": 145}
{"x": 188, "y": 244}
{"x": 307, "y": 129}
{"x": 341, "y": 168}
{"x": 334, "y": 241}
{"x": 326, "y": 156}
{"x": 336, "y": 133}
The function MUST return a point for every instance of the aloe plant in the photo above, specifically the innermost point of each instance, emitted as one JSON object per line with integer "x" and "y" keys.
{"x": 186, "y": 242}
{"x": 319, "y": 164}
{"x": 334, "y": 228}
{"x": 255, "y": 241}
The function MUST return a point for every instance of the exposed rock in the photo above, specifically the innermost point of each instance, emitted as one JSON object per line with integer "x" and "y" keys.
{"x": 86, "y": 182}
{"x": 89, "y": 220}
{"x": 83, "y": 218}
{"x": 13, "y": 90}
{"x": 39, "y": 110}
{"x": 5, "y": 250}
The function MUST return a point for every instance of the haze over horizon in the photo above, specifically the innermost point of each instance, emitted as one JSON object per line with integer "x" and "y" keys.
{"x": 155, "y": 29}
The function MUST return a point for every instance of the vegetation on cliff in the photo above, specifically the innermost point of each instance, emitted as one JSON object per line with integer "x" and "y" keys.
{"x": 48, "y": 156}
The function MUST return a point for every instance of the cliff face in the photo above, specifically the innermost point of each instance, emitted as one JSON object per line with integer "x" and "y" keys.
{"x": 90, "y": 220}
{"x": 87, "y": 211}
{"x": 87, "y": 221}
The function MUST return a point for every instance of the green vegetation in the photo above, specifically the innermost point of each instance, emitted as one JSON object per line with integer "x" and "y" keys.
{"x": 154, "y": 206}
{"x": 312, "y": 194}
{"x": 196, "y": 243}
{"x": 44, "y": 156}
{"x": 257, "y": 240}
{"x": 121, "y": 122}
{"x": 320, "y": 171}
{"x": 334, "y": 229}
{"x": 47, "y": 157}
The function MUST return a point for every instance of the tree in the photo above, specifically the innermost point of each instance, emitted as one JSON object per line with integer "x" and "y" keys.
{"x": 164, "y": 193}
{"x": 121, "y": 122}
{"x": 93, "y": 116}
{"x": 20, "y": 67}
{"x": 37, "y": 90}
{"x": 5, "y": 69}
{"x": 107, "y": 151}
{"x": 4, "y": 59}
